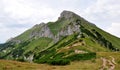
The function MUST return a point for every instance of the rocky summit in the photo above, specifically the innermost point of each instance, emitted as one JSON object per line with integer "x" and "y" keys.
{"x": 68, "y": 39}
{"x": 45, "y": 31}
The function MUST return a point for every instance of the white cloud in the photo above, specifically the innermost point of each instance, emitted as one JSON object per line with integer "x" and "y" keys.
{"x": 114, "y": 29}
{"x": 103, "y": 9}
{"x": 6, "y": 33}
{"x": 20, "y": 9}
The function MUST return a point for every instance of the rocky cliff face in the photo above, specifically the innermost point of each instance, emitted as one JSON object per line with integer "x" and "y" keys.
{"x": 66, "y": 15}
{"x": 72, "y": 28}
{"x": 43, "y": 30}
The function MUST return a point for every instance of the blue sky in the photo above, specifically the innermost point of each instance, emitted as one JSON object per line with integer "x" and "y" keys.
{"x": 16, "y": 16}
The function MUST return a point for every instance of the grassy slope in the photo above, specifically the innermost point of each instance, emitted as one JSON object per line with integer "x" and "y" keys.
{"x": 25, "y": 35}
{"x": 76, "y": 65}
{"x": 60, "y": 50}
{"x": 89, "y": 45}
{"x": 111, "y": 38}
{"x": 35, "y": 46}
{"x": 38, "y": 45}
{"x": 114, "y": 40}
{"x": 55, "y": 27}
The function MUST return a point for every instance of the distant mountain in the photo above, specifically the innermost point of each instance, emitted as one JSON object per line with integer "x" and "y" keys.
{"x": 70, "y": 38}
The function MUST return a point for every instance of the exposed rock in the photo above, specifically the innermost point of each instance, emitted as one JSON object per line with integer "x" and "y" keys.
{"x": 66, "y": 14}
{"x": 42, "y": 29}
{"x": 15, "y": 41}
{"x": 4, "y": 51}
{"x": 70, "y": 29}
{"x": 39, "y": 25}
{"x": 25, "y": 58}
{"x": 79, "y": 52}
{"x": 43, "y": 32}
{"x": 29, "y": 58}
{"x": 9, "y": 39}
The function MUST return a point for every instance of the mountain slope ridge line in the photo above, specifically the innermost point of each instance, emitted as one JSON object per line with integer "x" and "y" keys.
{"x": 46, "y": 42}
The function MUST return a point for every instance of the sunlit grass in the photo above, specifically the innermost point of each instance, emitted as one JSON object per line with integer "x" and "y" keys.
{"x": 93, "y": 64}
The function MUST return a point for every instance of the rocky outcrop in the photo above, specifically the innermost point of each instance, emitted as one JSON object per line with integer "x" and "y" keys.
{"x": 70, "y": 29}
{"x": 44, "y": 31}
{"x": 79, "y": 51}
{"x": 29, "y": 58}
{"x": 67, "y": 15}
{"x": 14, "y": 41}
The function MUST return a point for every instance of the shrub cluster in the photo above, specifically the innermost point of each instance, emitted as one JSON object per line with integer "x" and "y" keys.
{"x": 85, "y": 56}
{"x": 59, "y": 62}
{"x": 21, "y": 60}
{"x": 65, "y": 61}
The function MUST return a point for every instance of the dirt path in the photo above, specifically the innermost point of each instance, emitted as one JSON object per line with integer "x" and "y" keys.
{"x": 104, "y": 65}
{"x": 113, "y": 60}
{"x": 108, "y": 64}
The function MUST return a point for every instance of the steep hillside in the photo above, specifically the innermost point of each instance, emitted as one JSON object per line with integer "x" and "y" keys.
{"x": 68, "y": 39}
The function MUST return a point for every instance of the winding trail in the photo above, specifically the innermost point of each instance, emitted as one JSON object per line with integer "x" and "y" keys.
{"x": 113, "y": 60}
{"x": 104, "y": 65}
{"x": 108, "y": 64}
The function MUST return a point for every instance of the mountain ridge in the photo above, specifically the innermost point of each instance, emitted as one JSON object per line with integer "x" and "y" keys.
{"x": 68, "y": 37}
{"x": 66, "y": 15}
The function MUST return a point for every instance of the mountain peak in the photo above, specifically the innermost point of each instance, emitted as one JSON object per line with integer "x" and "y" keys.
{"x": 67, "y": 14}
{"x": 70, "y": 34}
